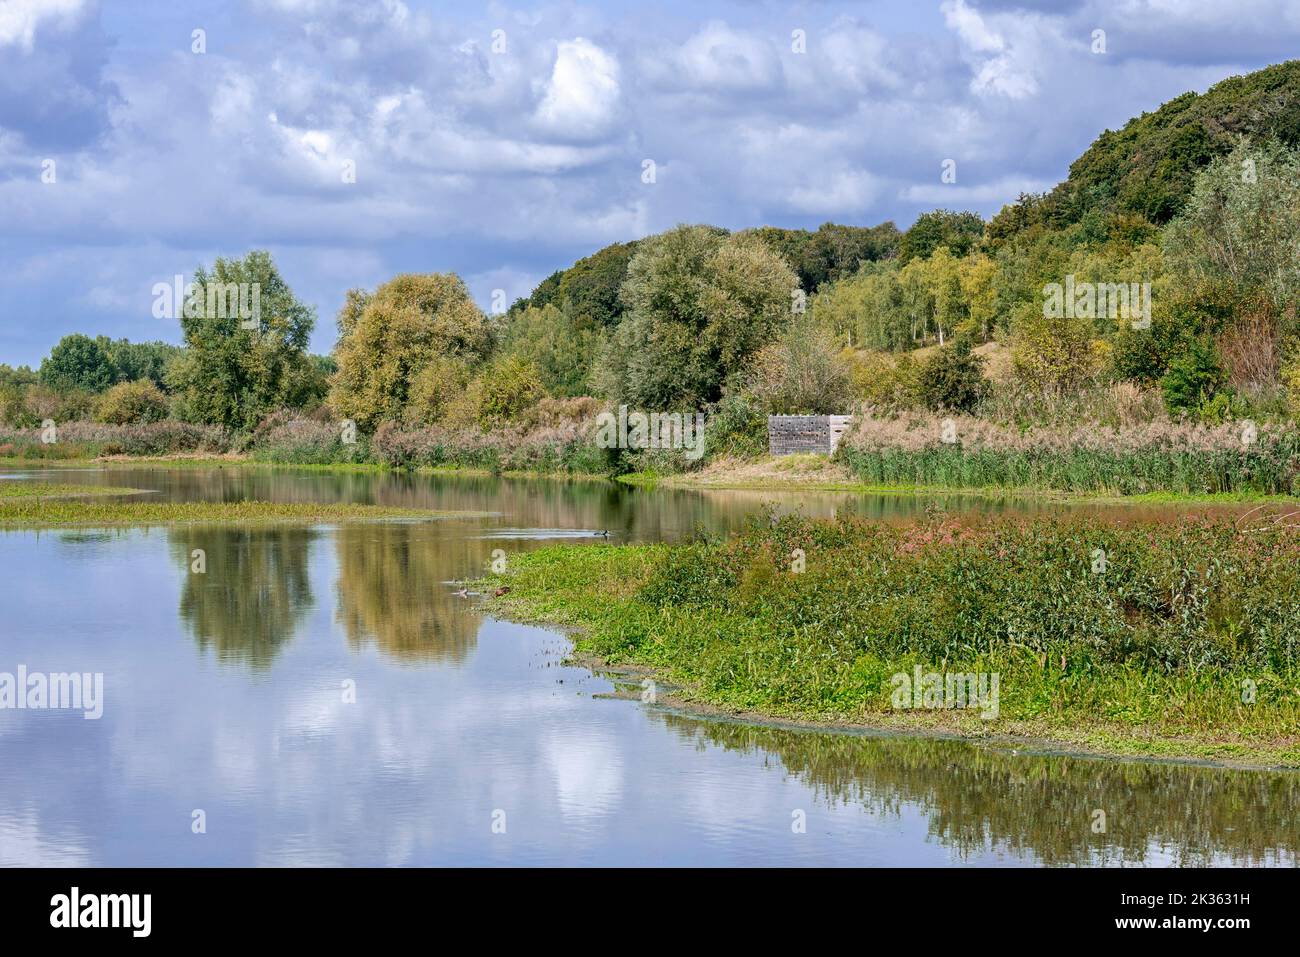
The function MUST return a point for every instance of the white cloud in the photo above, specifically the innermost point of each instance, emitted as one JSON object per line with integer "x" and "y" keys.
{"x": 1009, "y": 70}
{"x": 970, "y": 26}
{"x": 582, "y": 96}
{"x": 719, "y": 58}
{"x": 954, "y": 195}
{"x": 835, "y": 194}
{"x": 19, "y": 19}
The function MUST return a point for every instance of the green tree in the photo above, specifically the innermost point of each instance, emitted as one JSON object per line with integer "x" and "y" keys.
{"x": 561, "y": 346}
{"x": 803, "y": 373}
{"x": 960, "y": 232}
{"x": 866, "y": 309}
{"x": 506, "y": 387}
{"x": 587, "y": 290}
{"x": 236, "y": 369}
{"x": 1240, "y": 228}
{"x": 1194, "y": 377}
{"x": 831, "y": 253}
{"x": 700, "y": 304}
{"x": 78, "y": 362}
{"x": 139, "y": 360}
{"x": 389, "y": 338}
{"x": 952, "y": 380}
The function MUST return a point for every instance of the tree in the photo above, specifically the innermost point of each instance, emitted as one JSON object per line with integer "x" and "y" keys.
{"x": 507, "y": 386}
{"x": 1055, "y": 355}
{"x": 831, "y": 253}
{"x": 560, "y": 345}
{"x": 700, "y": 304}
{"x": 237, "y": 368}
{"x": 952, "y": 380}
{"x": 960, "y": 232}
{"x": 1147, "y": 168}
{"x": 389, "y": 338}
{"x": 1240, "y": 228}
{"x": 865, "y": 310}
{"x": 1194, "y": 377}
{"x": 977, "y": 276}
{"x": 587, "y": 290}
{"x": 139, "y": 360}
{"x": 78, "y": 362}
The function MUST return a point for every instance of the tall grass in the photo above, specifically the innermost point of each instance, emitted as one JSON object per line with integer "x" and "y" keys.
{"x": 1156, "y": 457}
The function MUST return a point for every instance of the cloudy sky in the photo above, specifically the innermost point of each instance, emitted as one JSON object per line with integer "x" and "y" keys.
{"x": 505, "y": 140}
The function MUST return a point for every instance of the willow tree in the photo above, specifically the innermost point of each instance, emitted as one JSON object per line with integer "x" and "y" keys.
{"x": 699, "y": 304}
{"x": 390, "y": 340}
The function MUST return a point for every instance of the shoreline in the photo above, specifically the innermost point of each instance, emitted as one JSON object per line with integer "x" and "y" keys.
{"x": 53, "y": 512}
{"x": 722, "y": 636}
{"x": 927, "y": 725}
{"x": 719, "y": 479}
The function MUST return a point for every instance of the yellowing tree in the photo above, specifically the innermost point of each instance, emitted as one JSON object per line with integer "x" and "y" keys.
{"x": 977, "y": 275}
{"x": 389, "y": 338}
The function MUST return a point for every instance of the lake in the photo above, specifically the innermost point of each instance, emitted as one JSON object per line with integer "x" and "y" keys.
{"x": 320, "y": 696}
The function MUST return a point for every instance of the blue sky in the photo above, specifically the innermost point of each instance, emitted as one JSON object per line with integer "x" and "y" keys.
{"x": 505, "y": 161}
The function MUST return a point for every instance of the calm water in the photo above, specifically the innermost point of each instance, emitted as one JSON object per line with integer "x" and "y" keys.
{"x": 224, "y": 693}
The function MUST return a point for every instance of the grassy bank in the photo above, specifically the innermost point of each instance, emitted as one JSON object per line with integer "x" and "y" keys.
{"x": 1186, "y": 642}
{"x": 60, "y": 510}
{"x": 23, "y": 490}
{"x": 902, "y": 453}
{"x": 558, "y": 447}
{"x": 1239, "y": 458}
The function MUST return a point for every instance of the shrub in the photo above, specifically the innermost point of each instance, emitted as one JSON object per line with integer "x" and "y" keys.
{"x": 1194, "y": 376}
{"x": 1056, "y": 354}
{"x": 289, "y": 438}
{"x": 89, "y": 439}
{"x": 126, "y": 402}
{"x": 952, "y": 380}
{"x": 885, "y": 382}
{"x": 801, "y": 374}
{"x": 505, "y": 388}
{"x": 566, "y": 448}
{"x": 737, "y": 427}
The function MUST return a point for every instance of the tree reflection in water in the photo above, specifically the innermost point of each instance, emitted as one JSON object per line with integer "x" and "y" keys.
{"x": 980, "y": 799}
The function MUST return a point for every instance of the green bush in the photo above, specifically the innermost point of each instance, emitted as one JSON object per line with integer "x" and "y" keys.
{"x": 803, "y": 373}
{"x": 127, "y": 402}
{"x": 952, "y": 380}
{"x": 505, "y": 388}
{"x": 737, "y": 427}
{"x": 1194, "y": 377}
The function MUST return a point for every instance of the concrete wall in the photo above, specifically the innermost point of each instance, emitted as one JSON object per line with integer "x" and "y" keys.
{"x": 792, "y": 434}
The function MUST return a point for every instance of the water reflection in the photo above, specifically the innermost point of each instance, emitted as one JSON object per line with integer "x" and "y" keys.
{"x": 457, "y": 714}
{"x": 981, "y": 800}
{"x": 393, "y": 590}
{"x": 253, "y": 593}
